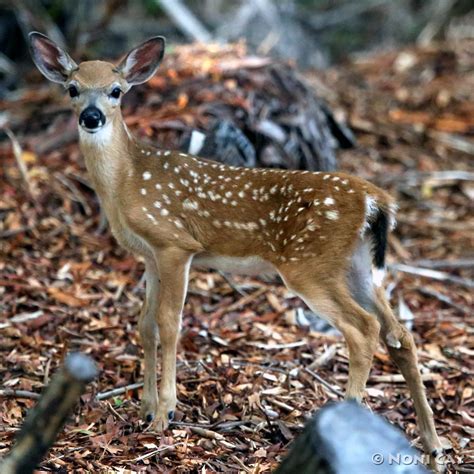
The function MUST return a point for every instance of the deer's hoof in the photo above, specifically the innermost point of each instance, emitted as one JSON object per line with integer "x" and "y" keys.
{"x": 148, "y": 410}
{"x": 163, "y": 416}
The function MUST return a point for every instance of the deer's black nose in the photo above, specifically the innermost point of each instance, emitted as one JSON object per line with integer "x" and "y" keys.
{"x": 92, "y": 118}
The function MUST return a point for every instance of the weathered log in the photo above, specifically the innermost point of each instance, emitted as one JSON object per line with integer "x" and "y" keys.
{"x": 250, "y": 110}
{"x": 346, "y": 438}
{"x": 46, "y": 419}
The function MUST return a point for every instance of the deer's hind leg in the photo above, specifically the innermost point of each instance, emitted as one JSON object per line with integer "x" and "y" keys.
{"x": 330, "y": 297}
{"x": 402, "y": 350}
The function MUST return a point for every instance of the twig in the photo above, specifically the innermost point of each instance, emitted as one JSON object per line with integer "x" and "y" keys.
{"x": 218, "y": 425}
{"x": 433, "y": 274}
{"x": 438, "y": 18}
{"x": 282, "y": 405}
{"x": 444, "y": 299}
{"x": 339, "y": 15}
{"x": 398, "y": 378}
{"x": 464, "y": 263}
{"x": 156, "y": 451}
{"x": 115, "y": 412}
{"x": 453, "y": 141}
{"x": 415, "y": 177}
{"x": 323, "y": 382}
{"x": 289, "y": 345}
{"x": 118, "y": 391}
{"x": 239, "y": 303}
{"x": 17, "y": 152}
{"x": 324, "y": 358}
{"x": 8, "y": 392}
{"x": 232, "y": 284}
{"x": 77, "y": 195}
{"x": 206, "y": 433}
{"x": 185, "y": 20}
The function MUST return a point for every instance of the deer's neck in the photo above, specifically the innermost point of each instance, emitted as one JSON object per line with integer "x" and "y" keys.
{"x": 108, "y": 155}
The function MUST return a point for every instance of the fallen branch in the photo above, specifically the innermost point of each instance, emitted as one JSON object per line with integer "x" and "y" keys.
{"x": 46, "y": 419}
{"x": 464, "y": 263}
{"x": 433, "y": 274}
{"x": 185, "y": 20}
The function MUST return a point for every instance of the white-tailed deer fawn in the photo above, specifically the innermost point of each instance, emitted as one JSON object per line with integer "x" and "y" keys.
{"x": 325, "y": 234}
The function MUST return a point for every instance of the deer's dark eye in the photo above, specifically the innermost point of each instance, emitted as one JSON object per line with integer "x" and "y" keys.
{"x": 115, "y": 94}
{"x": 73, "y": 92}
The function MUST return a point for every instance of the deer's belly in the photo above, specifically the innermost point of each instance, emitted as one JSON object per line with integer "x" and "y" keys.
{"x": 236, "y": 265}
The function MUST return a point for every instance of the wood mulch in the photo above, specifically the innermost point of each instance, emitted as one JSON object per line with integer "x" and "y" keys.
{"x": 246, "y": 380}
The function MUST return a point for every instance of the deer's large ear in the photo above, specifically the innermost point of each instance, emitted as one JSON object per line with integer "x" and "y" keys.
{"x": 142, "y": 62}
{"x": 50, "y": 59}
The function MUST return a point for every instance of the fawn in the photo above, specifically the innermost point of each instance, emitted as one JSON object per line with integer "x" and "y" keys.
{"x": 325, "y": 234}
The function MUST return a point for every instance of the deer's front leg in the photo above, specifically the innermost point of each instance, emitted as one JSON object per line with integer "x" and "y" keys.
{"x": 148, "y": 330}
{"x": 173, "y": 267}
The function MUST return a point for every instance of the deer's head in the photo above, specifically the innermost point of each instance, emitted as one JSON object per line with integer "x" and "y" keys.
{"x": 96, "y": 87}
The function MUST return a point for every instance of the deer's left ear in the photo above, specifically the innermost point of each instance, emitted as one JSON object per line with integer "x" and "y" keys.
{"x": 50, "y": 59}
{"x": 142, "y": 62}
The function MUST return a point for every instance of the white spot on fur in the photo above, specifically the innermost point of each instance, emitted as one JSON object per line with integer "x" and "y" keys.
{"x": 157, "y": 204}
{"x": 143, "y": 192}
{"x": 332, "y": 215}
{"x": 146, "y": 175}
{"x": 164, "y": 212}
{"x": 190, "y": 205}
{"x": 329, "y": 201}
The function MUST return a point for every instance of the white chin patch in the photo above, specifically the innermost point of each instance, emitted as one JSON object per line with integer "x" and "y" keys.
{"x": 378, "y": 275}
{"x": 96, "y": 136}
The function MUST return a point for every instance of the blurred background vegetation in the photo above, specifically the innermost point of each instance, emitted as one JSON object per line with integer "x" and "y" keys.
{"x": 312, "y": 33}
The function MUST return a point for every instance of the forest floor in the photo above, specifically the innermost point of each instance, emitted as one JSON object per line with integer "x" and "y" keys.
{"x": 245, "y": 367}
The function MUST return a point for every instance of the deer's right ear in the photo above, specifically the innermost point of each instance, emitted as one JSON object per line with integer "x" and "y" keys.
{"x": 54, "y": 63}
